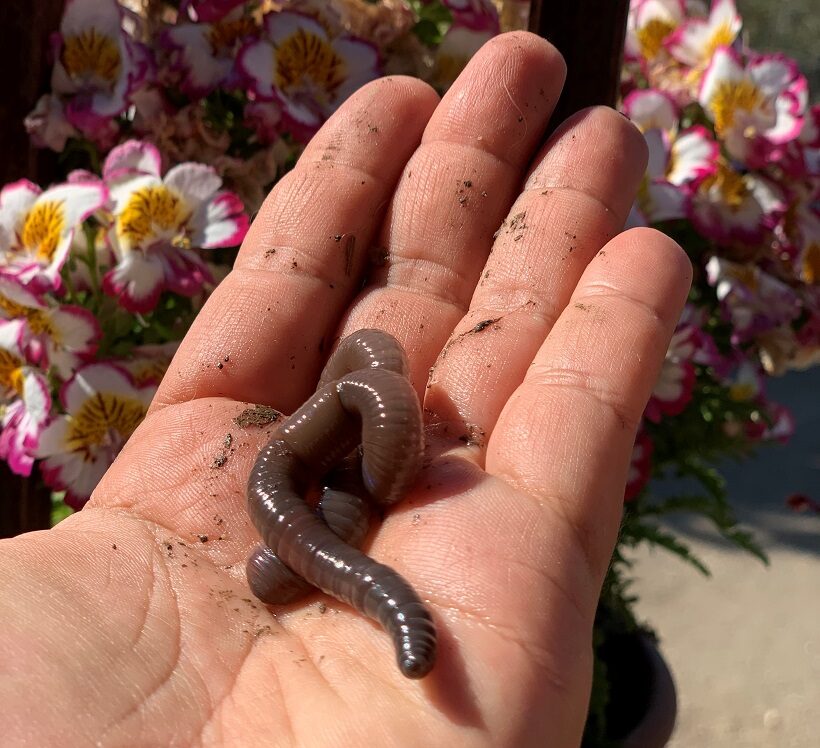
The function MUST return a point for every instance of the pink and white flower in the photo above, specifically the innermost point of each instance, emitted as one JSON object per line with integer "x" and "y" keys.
{"x": 694, "y": 42}
{"x": 649, "y": 25}
{"x": 36, "y": 228}
{"x": 673, "y": 390}
{"x": 97, "y": 65}
{"x": 476, "y": 15}
{"x": 159, "y": 223}
{"x": 651, "y": 109}
{"x": 674, "y": 162}
{"x": 306, "y": 71}
{"x": 728, "y": 206}
{"x": 206, "y": 52}
{"x": 756, "y": 107}
{"x": 47, "y": 124}
{"x": 61, "y": 336}
{"x": 102, "y": 408}
{"x": 25, "y": 400}
{"x": 753, "y": 300}
{"x": 147, "y": 364}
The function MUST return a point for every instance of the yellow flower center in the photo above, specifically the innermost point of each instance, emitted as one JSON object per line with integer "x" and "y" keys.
{"x": 12, "y": 308}
{"x": 731, "y": 185}
{"x": 150, "y": 371}
{"x": 742, "y": 391}
{"x": 43, "y": 228}
{"x": 151, "y": 213}
{"x": 224, "y": 34}
{"x": 11, "y": 372}
{"x": 92, "y": 55}
{"x": 811, "y": 263}
{"x": 728, "y": 98}
{"x": 721, "y": 37}
{"x": 651, "y": 36}
{"x": 305, "y": 58}
{"x": 104, "y": 420}
{"x": 39, "y": 322}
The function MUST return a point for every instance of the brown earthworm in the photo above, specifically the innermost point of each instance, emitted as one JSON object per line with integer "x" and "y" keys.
{"x": 364, "y": 398}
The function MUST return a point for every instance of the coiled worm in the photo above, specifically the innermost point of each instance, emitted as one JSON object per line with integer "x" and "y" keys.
{"x": 365, "y": 402}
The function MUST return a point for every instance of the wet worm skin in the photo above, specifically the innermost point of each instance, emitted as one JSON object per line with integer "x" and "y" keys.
{"x": 364, "y": 401}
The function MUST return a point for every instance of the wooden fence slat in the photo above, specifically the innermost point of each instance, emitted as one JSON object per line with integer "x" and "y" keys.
{"x": 25, "y": 504}
{"x": 590, "y": 34}
{"x": 26, "y": 26}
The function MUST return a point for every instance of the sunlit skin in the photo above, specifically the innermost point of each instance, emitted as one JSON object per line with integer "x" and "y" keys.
{"x": 132, "y": 630}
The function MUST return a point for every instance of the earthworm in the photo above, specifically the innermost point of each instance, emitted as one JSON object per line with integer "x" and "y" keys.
{"x": 364, "y": 398}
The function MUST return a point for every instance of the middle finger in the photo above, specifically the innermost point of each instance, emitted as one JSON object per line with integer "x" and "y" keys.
{"x": 454, "y": 192}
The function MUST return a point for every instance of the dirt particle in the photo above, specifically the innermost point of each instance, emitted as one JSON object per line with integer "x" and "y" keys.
{"x": 337, "y": 237}
{"x": 219, "y": 460}
{"x": 294, "y": 265}
{"x": 349, "y": 247}
{"x": 474, "y": 436}
{"x": 265, "y": 630}
{"x": 582, "y": 307}
{"x": 227, "y": 358}
{"x": 416, "y": 518}
{"x": 219, "y": 365}
{"x": 227, "y": 441}
{"x": 270, "y": 252}
{"x": 517, "y": 221}
{"x": 484, "y": 324}
{"x": 462, "y": 200}
{"x": 468, "y": 183}
{"x": 322, "y": 609}
{"x": 372, "y": 128}
{"x": 258, "y": 415}
{"x": 114, "y": 546}
{"x": 483, "y": 193}
{"x": 378, "y": 256}
{"x": 202, "y": 538}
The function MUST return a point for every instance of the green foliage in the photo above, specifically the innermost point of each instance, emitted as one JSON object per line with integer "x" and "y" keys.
{"x": 434, "y": 20}
{"x": 59, "y": 509}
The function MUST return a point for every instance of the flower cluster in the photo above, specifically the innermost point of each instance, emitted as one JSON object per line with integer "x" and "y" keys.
{"x": 173, "y": 120}
{"x": 734, "y": 175}
{"x": 80, "y": 264}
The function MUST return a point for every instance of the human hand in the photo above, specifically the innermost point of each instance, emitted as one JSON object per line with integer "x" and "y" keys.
{"x": 534, "y": 353}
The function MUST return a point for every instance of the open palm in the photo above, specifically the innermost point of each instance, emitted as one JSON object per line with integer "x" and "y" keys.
{"x": 534, "y": 351}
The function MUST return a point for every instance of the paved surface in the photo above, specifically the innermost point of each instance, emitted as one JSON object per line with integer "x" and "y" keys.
{"x": 744, "y": 645}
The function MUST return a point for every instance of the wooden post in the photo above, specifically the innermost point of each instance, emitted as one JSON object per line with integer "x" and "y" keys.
{"x": 24, "y": 56}
{"x": 590, "y": 34}
{"x": 25, "y": 504}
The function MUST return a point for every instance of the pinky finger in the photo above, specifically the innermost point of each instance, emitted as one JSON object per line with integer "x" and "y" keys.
{"x": 566, "y": 434}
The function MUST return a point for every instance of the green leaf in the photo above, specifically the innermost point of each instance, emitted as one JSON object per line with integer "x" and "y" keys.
{"x": 434, "y": 20}
{"x": 657, "y": 536}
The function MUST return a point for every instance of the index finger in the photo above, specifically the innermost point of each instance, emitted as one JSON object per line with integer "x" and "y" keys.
{"x": 263, "y": 333}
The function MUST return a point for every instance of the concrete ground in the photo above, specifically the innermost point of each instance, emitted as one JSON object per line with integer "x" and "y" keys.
{"x": 744, "y": 646}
